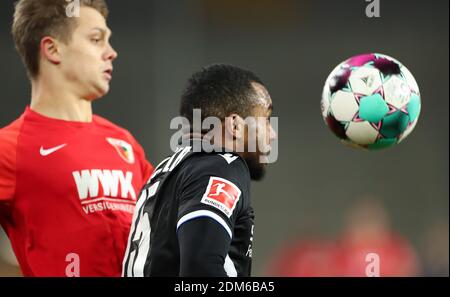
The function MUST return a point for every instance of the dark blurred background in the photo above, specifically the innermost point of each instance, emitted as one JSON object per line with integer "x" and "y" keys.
{"x": 310, "y": 194}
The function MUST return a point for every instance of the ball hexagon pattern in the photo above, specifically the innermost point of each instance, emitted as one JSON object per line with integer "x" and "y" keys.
{"x": 371, "y": 102}
{"x": 373, "y": 108}
{"x": 344, "y": 106}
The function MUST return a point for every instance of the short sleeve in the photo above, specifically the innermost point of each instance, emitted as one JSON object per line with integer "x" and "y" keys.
{"x": 146, "y": 167}
{"x": 8, "y": 156}
{"x": 213, "y": 188}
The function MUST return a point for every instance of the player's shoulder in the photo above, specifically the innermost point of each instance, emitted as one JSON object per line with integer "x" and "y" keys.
{"x": 107, "y": 124}
{"x": 112, "y": 128}
{"x": 10, "y": 133}
{"x": 8, "y": 145}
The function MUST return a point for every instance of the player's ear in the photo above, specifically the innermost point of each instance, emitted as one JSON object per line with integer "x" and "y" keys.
{"x": 235, "y": 126}
{"x": 50, "y": 50}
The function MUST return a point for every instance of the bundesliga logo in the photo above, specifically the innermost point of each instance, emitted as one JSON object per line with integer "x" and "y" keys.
{"x": 222, "y": 194}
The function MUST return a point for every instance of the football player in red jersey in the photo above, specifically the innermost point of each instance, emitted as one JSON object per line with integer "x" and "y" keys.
{"x": 68, "y": 179}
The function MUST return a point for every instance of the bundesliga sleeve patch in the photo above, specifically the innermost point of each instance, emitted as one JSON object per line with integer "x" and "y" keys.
{"x": 221, "y": 194}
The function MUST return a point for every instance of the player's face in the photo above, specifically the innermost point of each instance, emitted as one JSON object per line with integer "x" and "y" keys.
{"x": 265, "y": 135}
{"x": 87, "y": 60}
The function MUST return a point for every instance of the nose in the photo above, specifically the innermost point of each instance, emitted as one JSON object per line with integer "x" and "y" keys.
{"x": 110, "y": 53}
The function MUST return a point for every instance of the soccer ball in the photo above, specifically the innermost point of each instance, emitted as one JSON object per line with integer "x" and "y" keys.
{"x": 371, "y": 101}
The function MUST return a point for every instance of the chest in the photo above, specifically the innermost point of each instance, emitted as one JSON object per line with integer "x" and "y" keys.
{"x": 86, "y": 164}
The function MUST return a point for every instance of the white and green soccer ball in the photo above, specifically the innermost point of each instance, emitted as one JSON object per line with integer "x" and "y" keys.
{"x": 371, "y": 101}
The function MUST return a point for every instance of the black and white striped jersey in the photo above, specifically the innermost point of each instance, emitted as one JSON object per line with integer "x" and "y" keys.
{"x": 185, "y": 187}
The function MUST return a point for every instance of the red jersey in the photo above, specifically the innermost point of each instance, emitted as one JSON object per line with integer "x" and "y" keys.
{"x": 69, "y": 188}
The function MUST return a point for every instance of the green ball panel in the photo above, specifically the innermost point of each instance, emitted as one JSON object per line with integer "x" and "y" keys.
{"x": 394, "y": 124}
{"x": 414, "y": 107}
{"x": 383, "y": 143}
{"x": 373, "y": 108}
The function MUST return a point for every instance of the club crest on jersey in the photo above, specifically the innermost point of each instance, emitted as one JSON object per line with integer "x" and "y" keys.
{"x": 124, "y": 149}
{"x": 221, "y": 194}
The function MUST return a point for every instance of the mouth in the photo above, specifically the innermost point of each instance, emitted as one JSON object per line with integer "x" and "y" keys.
{"x": 108, "y": 73}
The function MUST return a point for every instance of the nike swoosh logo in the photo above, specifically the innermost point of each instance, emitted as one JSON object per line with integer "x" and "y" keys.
{"x": 46, "y": 152}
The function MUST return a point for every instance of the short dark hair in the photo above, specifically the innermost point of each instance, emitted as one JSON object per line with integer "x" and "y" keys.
{"x": 35, "y": 19}
{"x": 220, "y": 90}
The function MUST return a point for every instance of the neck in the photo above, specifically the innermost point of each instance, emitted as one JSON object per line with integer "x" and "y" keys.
{"x": 54, "y": 100}
{"x": 227, "y": 144}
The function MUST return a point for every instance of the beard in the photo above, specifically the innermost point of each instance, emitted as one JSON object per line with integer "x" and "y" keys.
{"x": 256, "y": 168}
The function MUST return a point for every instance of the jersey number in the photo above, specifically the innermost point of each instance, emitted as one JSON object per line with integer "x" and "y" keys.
{"x": 140, "y": 244}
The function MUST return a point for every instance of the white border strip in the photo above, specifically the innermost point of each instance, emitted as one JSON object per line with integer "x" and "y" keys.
{"x": 204, "y": 213}
{"x": 229, "y": 267}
